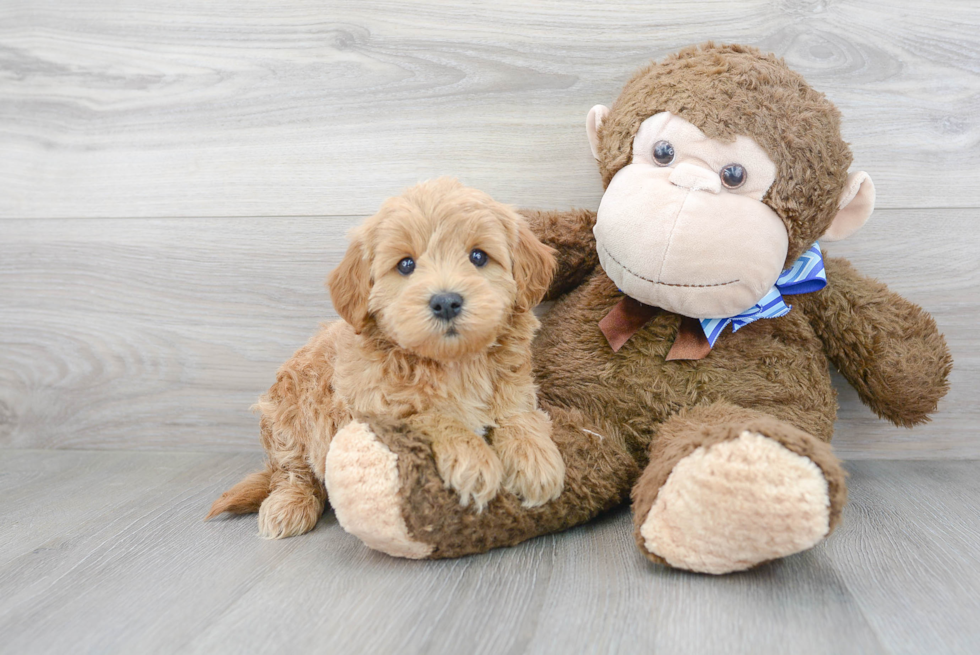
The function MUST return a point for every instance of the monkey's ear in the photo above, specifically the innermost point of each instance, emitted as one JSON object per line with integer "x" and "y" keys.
{"x": 534, "y": 266}
{"x": 592, "y": 124}
{"x": 856, "y": 204}
{"x": 350, "y": 283}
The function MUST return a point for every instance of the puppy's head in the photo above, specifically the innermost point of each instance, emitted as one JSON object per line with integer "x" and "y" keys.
{"x": 440, "y": 269}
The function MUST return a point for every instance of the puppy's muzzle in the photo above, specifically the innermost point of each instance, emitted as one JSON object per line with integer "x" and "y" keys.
{"x": 446, "y": 306}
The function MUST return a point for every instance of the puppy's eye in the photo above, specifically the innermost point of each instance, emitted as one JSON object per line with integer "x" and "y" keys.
{"x": 663, "y": 152}
{"x": 479, "y": 258}
{"x": 733, "y": 176}
{"x": 406, "y": 266}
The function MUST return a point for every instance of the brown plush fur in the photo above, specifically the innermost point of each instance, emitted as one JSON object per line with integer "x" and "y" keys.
{"x": 598, "y": 477}
{"x": 706, "y": 425}
{"x": 450, "y": 381}
{"x": 734, "y": 89}
{"x": 616, "y": 413}
{"x": 888, "y": 349}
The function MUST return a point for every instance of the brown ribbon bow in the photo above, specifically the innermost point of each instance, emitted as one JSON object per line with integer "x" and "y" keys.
{"x": 629, "y": 315}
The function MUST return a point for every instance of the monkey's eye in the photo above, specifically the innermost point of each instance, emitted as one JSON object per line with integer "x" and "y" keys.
{"x": 663, "y": 152}
{"x": 406, "y": 266}
{"x": 733, "y": 176}
{"x": 479, "y": 258}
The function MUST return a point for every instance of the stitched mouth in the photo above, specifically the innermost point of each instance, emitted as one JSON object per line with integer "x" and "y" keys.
{"x": 664, "y": 284}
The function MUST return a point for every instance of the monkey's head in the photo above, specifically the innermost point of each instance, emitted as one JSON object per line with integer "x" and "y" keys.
{"x": 721, "y": 167}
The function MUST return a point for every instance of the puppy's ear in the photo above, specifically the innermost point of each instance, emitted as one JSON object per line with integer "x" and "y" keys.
{"x": 350, "y": 283}
{"x": 534, "y": 266}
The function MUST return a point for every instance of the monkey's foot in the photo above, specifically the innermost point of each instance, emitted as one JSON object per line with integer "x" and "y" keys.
{"x": 734, "y": 504}
{"x": 363, "y": 484}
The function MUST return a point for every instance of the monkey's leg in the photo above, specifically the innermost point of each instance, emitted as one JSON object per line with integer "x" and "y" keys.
{"x": 385, "y": 490}
{"x": 728, "y": 488}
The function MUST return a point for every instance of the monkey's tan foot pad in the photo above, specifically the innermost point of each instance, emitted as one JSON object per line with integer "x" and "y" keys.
{"x": 363, "y": 486}
{"x": 736, "y": 504}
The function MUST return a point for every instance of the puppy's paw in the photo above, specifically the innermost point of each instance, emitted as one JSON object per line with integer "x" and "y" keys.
{"x": 471, "y": 468}
{"x": 289, "y": 511}
{"x": 533, "y": 468}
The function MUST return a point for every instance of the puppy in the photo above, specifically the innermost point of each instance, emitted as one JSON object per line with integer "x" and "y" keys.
{"x": 436, "y": 292}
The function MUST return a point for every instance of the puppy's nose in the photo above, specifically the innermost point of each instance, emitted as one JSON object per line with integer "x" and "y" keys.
{"x": 446, "y": 306}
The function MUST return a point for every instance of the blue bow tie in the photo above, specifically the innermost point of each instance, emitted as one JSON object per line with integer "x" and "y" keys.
{"x": 805, "y": 275}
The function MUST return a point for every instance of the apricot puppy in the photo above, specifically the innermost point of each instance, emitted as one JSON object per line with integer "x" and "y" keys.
{"x": 436, "y": 292}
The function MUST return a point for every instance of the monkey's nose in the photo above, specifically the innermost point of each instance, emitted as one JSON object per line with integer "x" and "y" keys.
{"x": 695, "y": 178}
{"x": 446, "y": 306}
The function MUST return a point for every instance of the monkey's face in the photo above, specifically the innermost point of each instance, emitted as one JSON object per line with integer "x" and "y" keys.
{"x": 683, "y": 225}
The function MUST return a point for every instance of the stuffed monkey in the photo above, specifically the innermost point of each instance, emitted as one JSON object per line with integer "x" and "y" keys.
{"x": 685, "y": 360}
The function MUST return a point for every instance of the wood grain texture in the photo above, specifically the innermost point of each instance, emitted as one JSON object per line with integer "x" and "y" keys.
{"x": 146, "y": 575}
{"x": 225, "y": 108}
{"x": 912, "y": 532}
{"x": 159, "y": 334}
{"x": 154, "y": 333}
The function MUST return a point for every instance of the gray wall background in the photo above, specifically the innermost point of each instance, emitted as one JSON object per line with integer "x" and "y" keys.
{"x": 176, "y": 181}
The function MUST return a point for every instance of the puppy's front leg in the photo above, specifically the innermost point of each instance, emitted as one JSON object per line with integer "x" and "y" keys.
{"x": 465, "y": 461}
{"x": 533, "y": 467}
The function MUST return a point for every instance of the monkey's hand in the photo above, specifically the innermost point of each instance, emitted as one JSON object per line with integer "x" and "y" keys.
{"x": 888, "y": 348}
{"x": 570, "y": 234}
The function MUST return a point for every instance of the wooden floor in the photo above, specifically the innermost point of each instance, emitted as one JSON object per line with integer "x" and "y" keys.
{"x": 176, "y": 180}
{"x": 106, "y": 552}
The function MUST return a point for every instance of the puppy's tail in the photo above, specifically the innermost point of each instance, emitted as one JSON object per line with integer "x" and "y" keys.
{"x": 245, "y": 497}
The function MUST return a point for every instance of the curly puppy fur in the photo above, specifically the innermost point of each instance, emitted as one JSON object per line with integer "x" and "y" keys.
{"x": 464, "y": 382}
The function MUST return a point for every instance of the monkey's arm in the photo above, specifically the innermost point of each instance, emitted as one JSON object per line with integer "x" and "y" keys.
{"x": 888, "y": 348}
{"x": 570, "y": 234}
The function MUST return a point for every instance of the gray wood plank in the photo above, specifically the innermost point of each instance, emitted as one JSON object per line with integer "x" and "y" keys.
{"x": 133, "y": 579}
{"x": 37, "y": 502}
{"x": 160, "y": 333}
{"x": 586, "y": 590}
{"x": 912, "y": 532}
{"x": 302, "y": 108}
{"x": 147, "y": 575}
{"x": 781, "y": 608}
